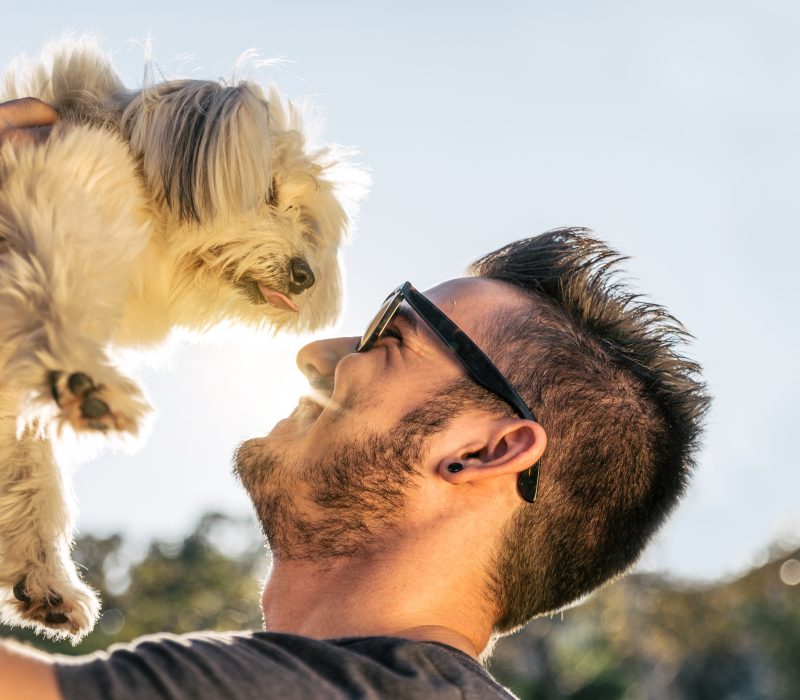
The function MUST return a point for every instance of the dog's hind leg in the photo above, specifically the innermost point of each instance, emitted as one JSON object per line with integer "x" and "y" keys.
{"x": 39, "y": 586}
{"x": 72, "y": 223}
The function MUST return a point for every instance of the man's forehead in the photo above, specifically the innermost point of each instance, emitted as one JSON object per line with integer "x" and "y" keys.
{"x": 474, "y": 297}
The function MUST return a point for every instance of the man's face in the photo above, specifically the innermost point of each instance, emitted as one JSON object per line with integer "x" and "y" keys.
{"x": 342, "y": 468}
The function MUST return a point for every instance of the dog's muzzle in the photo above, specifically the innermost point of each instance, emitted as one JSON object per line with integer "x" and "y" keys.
{"x": 299, "y": 276}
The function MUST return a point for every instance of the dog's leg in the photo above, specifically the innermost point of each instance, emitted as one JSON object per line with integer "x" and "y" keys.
{"x": 71, "y": 229}
{"x": 54, "y": 356}
{"x": 39, "y": 586}
{"x": 113, "y": 404}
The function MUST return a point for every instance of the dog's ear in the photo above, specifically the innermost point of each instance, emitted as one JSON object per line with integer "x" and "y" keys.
{"x": 204, "y": 147}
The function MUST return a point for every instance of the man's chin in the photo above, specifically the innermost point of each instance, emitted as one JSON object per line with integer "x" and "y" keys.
{"x": 254, "y": 464}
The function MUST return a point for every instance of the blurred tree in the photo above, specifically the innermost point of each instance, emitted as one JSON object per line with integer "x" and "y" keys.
{"x": 650, "y": 637}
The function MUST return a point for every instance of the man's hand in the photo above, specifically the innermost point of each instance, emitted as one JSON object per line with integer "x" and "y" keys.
{"x": 26, "y": 121}
{"x": 26, "y": 674}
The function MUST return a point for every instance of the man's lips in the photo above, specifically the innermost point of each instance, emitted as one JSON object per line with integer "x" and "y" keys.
{"x": 307, "y": 408}
{"x": 277, "y": 299}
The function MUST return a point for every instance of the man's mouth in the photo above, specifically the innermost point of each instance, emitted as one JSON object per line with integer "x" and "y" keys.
{"x": 307, "y": 408}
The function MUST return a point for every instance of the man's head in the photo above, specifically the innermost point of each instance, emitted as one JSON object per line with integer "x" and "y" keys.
{"x": 601, "y": 371}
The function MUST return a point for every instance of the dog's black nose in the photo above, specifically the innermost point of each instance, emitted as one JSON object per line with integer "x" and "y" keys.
{"x": 300, "y": 276}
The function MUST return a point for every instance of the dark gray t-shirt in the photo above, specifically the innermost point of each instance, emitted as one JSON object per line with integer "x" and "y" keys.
{"x": 214, "y": 666}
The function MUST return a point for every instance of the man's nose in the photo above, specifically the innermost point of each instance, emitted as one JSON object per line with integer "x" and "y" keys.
{"x": 318, "y": 360}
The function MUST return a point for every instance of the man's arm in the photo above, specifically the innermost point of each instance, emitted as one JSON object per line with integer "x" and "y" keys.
{"x": 26, "y": 674}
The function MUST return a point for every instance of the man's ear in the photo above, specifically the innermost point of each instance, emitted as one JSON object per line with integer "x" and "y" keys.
{"x": 509, "y": 446}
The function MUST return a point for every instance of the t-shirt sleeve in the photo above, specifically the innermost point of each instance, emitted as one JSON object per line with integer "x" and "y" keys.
{"x": 184, "y": 668}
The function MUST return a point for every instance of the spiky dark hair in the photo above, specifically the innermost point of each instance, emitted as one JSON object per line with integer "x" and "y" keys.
{"x": 603, "y": 371}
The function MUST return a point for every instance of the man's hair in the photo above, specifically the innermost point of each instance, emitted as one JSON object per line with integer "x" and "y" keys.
{"x": 622, "y": 409}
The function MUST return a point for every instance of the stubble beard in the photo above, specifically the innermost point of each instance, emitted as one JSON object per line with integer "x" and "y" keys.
{"x": 354, "y": 492}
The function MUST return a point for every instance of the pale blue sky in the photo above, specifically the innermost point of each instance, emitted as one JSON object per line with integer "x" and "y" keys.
{"x": 669, "y": 128}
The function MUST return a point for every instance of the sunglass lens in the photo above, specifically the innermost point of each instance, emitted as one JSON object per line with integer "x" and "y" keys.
{"x": 378, "y": 323}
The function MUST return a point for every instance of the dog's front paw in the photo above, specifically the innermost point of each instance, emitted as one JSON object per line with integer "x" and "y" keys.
{"x": 69, "y": 611}
{"x": 99, "y": 406}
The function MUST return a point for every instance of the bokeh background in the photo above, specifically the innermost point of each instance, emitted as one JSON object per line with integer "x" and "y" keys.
{"x": 671, "y": 129}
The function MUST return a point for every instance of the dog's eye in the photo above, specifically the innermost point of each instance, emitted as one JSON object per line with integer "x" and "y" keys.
{"x": 272, "y": 195}
{"x": 309, "y": 233}
{"x": 310, "y": 240}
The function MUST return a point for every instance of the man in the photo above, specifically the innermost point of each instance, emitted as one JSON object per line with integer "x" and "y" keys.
{"x": 430, "y": 498}
{"x": 26, "y": 121}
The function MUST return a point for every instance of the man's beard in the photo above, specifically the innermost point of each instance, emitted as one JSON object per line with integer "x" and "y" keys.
{"x": 356, "y": 490}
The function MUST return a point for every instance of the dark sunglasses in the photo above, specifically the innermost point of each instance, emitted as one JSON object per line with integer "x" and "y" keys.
{"x": 479, "y": 367}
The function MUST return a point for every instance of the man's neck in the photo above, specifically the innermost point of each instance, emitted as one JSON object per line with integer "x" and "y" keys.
{"x": 348, "y": 598}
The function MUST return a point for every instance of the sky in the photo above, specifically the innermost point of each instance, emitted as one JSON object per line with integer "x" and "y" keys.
{"x": 670, "y": 129}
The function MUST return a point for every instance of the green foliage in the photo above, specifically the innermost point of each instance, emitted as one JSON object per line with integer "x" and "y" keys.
{"x": 643, "y": 637}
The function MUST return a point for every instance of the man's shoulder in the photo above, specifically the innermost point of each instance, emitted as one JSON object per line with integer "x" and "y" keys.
{"x": 244, "y": 664}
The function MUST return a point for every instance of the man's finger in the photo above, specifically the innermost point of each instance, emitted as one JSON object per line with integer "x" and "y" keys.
{"x": 26, "y": 112}
{"x": 35, "y": 134}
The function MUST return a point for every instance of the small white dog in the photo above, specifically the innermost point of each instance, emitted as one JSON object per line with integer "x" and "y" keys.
{"x": 183, "y": 204}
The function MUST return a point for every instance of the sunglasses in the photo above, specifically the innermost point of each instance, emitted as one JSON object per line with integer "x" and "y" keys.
{"x": 479, "y": 367}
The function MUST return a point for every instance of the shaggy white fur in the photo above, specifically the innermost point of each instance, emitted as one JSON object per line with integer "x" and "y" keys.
{"x": 183, "y": 204}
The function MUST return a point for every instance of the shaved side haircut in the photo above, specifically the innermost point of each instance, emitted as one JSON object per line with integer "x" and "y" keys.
{"x": 603, "y": 371}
